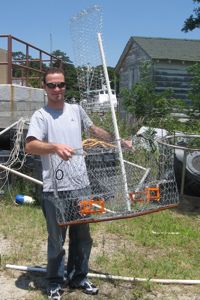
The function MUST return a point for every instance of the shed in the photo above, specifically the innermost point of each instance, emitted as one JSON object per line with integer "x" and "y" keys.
{"x": 170, "y": 61}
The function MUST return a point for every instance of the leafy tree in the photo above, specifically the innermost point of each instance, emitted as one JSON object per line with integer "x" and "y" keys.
{"x": 142, "y": 100}
{"x": 194, "y": 95}
{"x": 72, "y": 87}
{"x": 114, "y": 79}
{"x": 19, "y": 59}
{"x": 194, "y": 20}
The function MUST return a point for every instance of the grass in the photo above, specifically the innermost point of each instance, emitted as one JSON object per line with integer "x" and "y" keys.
{"x": 24, "y": 229}
{"x": 159, "y": 245}
{"x": 162, "y": 245}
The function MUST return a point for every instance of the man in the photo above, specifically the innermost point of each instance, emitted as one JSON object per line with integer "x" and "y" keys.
{"x": 56, "y": 130}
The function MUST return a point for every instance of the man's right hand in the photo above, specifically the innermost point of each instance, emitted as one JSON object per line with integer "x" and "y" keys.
{"x": 64, "y": 151}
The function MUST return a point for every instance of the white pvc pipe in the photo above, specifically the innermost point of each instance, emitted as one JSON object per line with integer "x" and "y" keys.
{"x": 40, "y": 182}
{"x": 143, "y": 179}
{"x": 11, "y": 126}
{"x": 25, "y": 268}
{"x": 106, "y": 209}
{"x": 113, "y": 277}
{"x": 135, "y": 165}
{"x": 114, "y": 119}
{"x": 21, "y": 174}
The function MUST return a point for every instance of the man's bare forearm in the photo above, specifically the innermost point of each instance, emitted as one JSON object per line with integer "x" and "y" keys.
{"x": 106, "y": 136}
{"x": 101, "y": 133}
{"x": 37, "y": 147}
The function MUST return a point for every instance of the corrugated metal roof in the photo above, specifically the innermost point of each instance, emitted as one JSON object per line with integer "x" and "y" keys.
{"x": 166, "y": 48}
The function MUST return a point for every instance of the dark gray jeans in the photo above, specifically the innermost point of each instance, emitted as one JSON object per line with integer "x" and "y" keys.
{"x": 79, "y": 249}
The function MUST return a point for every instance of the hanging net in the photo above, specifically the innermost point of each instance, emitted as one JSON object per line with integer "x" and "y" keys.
{"x": 91, "y": 78}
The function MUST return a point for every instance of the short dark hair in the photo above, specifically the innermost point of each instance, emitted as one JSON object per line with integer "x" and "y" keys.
{"x": 52, "y": 70}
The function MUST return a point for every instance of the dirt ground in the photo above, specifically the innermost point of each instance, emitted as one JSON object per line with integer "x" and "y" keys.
{"x": 17, "y": 285}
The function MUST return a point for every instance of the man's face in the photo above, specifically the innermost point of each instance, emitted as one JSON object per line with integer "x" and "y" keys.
{"x": 55, "y": 87}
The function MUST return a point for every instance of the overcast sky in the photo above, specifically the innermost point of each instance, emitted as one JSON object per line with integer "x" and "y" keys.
{"x": 45, "y": 24}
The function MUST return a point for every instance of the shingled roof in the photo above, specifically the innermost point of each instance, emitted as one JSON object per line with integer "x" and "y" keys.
{"x": 165, "y": 48}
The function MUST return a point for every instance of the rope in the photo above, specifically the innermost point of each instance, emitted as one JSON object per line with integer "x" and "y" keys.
{"x": 91, "y": 143}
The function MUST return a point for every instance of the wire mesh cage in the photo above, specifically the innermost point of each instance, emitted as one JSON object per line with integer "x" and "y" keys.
{"x": 102, "y": 181}
{"x": 103, "y": 192}
{"x": 186, "y": 161}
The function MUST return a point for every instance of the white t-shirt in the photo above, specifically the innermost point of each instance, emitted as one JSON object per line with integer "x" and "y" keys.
{"x": 64, "y": 127}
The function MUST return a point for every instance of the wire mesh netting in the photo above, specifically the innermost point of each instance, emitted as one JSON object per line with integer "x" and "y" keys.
{"x": 84, "y": 27}
{"x": 186, "y": 161}
{"x": 91, "y": 79}
{"x": 104, "y": 192}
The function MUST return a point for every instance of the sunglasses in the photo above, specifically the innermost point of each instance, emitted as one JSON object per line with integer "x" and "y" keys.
{"x": 52, "y": 85}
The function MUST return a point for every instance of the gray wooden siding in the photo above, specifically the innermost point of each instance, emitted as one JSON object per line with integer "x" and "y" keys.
{"x": 129, "y": 71}
{"x": 172, "y": 76}
{"x": 167, "y": 74}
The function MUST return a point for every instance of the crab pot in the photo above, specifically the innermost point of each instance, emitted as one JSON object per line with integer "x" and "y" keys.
{"x": 149, "y": 179}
